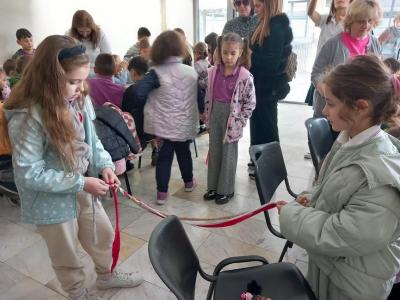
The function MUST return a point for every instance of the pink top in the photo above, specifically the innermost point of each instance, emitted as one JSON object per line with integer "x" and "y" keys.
{"x": 355, "y": 46}
{"x": 225, "y": 85}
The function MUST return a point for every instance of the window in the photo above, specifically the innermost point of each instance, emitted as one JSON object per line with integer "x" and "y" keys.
{"x": 212, "y": 16}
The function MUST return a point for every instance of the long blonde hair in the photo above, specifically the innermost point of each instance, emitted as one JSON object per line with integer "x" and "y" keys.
{"x": 271, "y": 9}
{"x": 42, "y": 84}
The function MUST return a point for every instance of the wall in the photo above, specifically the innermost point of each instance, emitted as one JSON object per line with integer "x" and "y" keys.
{"x": 120, "y": 21}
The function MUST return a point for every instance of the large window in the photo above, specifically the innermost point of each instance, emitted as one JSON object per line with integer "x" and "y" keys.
{"x": 212, "y": 16}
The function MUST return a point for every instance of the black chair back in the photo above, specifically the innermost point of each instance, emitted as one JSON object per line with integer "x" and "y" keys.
{"x": 320, "y": 140}
{"x": 173, "y": 258}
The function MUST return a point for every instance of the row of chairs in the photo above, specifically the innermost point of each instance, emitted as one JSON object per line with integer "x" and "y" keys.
{"x": 175, "y": 261}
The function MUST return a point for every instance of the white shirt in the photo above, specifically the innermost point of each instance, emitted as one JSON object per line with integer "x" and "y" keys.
{"x": 328, "y": 30}
{"x": 363, "y": 136}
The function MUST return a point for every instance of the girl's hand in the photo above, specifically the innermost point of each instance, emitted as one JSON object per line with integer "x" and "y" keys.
{"x": 302, "y": 200}
{"x": 109, "y": 177}
{"x": 95, "y": 186}
{"x": 280, "y": 204}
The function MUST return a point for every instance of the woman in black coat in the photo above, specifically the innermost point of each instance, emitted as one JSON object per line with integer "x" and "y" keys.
{"x": 271, "y": 46}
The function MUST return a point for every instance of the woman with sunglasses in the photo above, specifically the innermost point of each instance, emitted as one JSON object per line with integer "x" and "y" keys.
{"x": 85, "y": 30}
{"x": 245, "y": 24}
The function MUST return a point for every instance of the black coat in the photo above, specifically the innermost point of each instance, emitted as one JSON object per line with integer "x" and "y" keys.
{"x": 114, "y": 134}
{"x": 269, "y": 60}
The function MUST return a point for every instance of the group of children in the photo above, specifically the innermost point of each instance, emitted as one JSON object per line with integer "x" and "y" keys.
{"x": 349, "y": 223}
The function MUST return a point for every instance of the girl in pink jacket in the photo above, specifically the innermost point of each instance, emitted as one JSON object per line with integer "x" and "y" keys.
{"x": 230, "y": 101}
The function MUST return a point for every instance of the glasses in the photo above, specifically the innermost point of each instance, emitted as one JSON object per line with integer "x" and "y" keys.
{"x": 237, "y": 3}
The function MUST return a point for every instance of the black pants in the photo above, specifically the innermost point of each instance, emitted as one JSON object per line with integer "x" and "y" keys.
{"x": 164, "y": 163}
{"x": 395, "y": 293}
{"x": 264, "y": 121}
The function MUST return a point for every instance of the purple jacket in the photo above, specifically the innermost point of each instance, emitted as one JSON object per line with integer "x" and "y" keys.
{"x": 102, "y": 89}
{"x": 242, "y": 104}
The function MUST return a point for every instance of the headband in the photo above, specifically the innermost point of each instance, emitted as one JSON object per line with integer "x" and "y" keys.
{"x": 396, "y": 83}
{"x": 71, "y": 52}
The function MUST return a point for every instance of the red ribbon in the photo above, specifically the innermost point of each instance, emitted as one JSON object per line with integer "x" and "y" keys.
{"x": 117, "y": 239}
{"x": 230, "y": 222}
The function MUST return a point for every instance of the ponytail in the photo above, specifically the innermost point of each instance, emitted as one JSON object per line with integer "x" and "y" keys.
{"x": 245, "y": 58}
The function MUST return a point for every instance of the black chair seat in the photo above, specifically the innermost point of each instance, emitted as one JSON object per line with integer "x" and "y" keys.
{"x": 279, "y": 281}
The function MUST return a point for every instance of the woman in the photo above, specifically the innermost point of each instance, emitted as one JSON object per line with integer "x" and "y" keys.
{"x": 390, "y": 39}
{"x": 271, "y": 47}
{"x": 362, "y": 16}
{"x": 84, "y": 29}
{"x": 245, "y": 24}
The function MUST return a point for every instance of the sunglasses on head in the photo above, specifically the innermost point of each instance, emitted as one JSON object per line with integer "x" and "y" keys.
{"x": 239, "y": 2}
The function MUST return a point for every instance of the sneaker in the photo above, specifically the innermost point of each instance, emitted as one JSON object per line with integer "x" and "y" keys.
{"x": 202, "y": 130}
{"x": 252, "y": 176}
{"x": 154, "y": 157}
{"x": 251, "y": 166}
{"x": 189, "y": 186}
{"x": 307, "y": 155}
{"x": 161, "y": 197}
{"x": 118, "y": 280}
{"x": 222, "y": 199}
{"x": 86, "y": 295}
{"x": 210, "y": 195}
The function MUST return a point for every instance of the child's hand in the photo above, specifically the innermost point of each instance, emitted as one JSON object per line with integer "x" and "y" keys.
{"x": 109, "y": 177}
{"x": 280, "y": 204}
{"x": 302, "y": 200}
{"x": 95, "y": 186}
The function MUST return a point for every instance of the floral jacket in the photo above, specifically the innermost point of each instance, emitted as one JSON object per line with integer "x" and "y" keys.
{"x": 242, "y": 104}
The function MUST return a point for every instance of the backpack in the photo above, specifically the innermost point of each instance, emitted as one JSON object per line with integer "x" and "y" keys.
{"x": 5, "y": 145}
{"x": 291, "y": 66}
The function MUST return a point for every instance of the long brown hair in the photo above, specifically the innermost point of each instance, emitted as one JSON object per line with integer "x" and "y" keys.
{"x": 271, "y": 9}
{"x": 82, "y": 18}
{"x": 231, "y": 37}
{"x": 366, "y": 77}
{"x": 42, "y": 84}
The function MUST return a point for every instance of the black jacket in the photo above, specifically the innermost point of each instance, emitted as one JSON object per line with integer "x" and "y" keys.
{"x": 269, "y": 60}
{"x": 114, "y": 134}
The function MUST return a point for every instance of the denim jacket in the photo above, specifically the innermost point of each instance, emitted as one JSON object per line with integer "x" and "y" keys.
{"x": 48, "y": 194}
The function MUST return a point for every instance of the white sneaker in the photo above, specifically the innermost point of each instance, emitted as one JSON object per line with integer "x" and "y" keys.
{"x": 118, "y": 280}
{"x": 87, "y": 296}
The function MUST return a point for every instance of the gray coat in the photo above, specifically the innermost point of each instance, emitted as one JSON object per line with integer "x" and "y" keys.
{"x": 351, "y": 230}
{"x": 333, "y": 53}
{"x": 171, "y": 110}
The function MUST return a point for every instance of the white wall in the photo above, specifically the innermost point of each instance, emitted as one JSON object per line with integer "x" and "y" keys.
{"x": 119, "y": 19}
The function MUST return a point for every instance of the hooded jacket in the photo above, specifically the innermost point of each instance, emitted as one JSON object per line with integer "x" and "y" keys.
{"x": 351, "y": 229}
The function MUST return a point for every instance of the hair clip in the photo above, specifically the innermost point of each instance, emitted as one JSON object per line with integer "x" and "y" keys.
{"x": 396, "y": 83}
{"x": 71, "y": 52}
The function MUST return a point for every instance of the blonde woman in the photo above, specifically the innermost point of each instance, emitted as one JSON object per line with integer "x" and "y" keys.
{"x": 390, "y": 39}
{"x": 362, "y": 16}
{"x": 271, "y": 46}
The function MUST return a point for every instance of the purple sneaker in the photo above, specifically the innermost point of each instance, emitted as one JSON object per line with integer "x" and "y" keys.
{"x": 189, "y": 186}
{"x": 161, "y": 197}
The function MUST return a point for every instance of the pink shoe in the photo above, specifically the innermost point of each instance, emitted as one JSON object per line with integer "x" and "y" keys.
{"x": 161, "y": 197}
{"x": 189, "y": 186}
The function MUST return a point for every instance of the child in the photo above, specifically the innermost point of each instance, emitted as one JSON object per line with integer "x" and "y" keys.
{"x": 10, "y": 66}
{"x": 201, "y": 65}
{"x": 350, "y": 224}
{"x": 133, "y": 51}
{"x": 390, "y": 39}
{"x": 144, "y": 48}
{"x": 57, "y": 158}
{"x": 121, "y": 74}
{"x": 230, "y": 101}
{"x": 4, "y": 88}
{"x": 393, "y": 64}
{"x": 21, "y": 64}
{"x": 102, "y": 88}
{"x": 24, "y": 39}
{"x": 138, "y": 68}
{"x": 170, "y": 112}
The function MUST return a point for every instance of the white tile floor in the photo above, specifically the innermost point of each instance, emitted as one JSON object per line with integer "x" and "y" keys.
{"x": 25, "y": 269}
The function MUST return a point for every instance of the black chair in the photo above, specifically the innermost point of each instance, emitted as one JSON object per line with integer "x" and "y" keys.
{"x": 270, "y": 171}
{"x": 320, "y": 140}
{"x": 175, "y": 261}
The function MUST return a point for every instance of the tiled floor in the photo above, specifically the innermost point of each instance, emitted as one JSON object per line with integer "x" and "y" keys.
{"x": 25, "y": 269}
